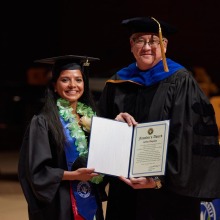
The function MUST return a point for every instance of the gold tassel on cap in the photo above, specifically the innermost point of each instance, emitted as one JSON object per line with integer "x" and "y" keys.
{"x": 86, "y": 63}
{"x": 162, "y": 47}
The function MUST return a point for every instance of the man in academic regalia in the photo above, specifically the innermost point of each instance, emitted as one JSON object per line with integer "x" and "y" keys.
{"x": 154, "y": 88}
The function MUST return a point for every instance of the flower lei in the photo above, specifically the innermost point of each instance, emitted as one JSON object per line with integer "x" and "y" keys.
{"x": 65, "y": 111}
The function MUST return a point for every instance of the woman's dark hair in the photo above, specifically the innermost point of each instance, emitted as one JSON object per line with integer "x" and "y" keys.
{"x": 50, "y": 110}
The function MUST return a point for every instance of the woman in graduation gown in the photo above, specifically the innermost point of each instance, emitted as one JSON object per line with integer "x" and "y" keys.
{"x": 54, "y": 151}
{"x": 152, "y": 89}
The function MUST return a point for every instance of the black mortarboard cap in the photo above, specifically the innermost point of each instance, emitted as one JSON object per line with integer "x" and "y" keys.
{"x": 67, "y": 59}
{"x": 148, "y": 25}
{"x": 69, "y": 62}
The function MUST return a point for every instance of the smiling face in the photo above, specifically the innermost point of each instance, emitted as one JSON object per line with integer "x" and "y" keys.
{"x": 70, "y": 85}
{"x": 146, "y": 49}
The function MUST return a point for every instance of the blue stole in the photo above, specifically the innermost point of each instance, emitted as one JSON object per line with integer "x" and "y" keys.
{"x": 83, "y": 191}
{"x": 150, "y": 76}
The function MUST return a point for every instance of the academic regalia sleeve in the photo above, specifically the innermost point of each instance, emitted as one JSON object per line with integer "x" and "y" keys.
{"x": 41, "y": 170}
{"x": 193, "y": 151}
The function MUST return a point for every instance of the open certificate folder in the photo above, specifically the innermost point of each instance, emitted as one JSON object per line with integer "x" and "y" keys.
{"x": 130, "y": 151}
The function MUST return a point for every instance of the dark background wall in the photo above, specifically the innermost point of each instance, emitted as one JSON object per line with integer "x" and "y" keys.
{"x": 94, "y": 28}
{"x": 38, "y": 29}
{"x": 28, "y": 30}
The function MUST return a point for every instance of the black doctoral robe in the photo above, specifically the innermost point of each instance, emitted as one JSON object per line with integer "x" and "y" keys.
{"x": 40, "y": 171}
{"x": 193, "y": 158}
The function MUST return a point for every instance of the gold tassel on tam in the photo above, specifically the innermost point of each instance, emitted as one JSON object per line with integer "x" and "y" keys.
{"x": 162, "y": 47}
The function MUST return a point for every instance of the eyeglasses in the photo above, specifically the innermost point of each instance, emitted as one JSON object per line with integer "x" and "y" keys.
{"x": 141, "y": 42}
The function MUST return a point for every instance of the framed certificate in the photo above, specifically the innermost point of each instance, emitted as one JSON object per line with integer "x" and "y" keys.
{"x": 130, "y": 151}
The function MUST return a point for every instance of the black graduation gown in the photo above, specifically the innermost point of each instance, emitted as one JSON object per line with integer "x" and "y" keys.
{"x": 193, "y": 157}
{"x": 40, "y": 172}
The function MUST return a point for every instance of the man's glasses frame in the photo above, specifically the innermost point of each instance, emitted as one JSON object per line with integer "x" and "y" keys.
{"x": 141, "y": 42}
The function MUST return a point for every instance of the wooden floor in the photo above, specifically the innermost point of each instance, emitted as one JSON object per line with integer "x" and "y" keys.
{"x": 12, "y": 202}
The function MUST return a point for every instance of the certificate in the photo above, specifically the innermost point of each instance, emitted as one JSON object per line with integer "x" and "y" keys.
{"x": 130, "y": 151}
